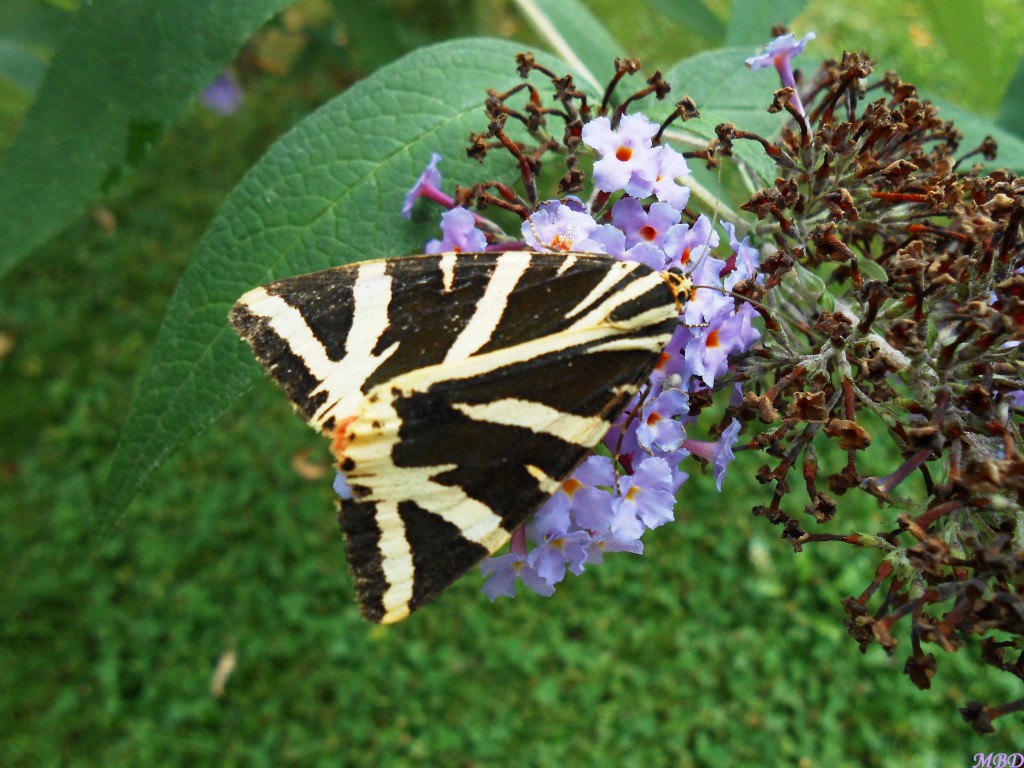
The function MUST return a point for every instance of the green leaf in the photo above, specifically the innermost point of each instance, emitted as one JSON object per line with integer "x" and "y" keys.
{"x": 576, "y": 36}
{"x": 693, "y": 15}
{"x": 1011, "y": 114}
{"x": 726, "y": 91}
{"x": 975, "y": 128}
{"x": 811, "y": 287}
{"x": 751, "y": 22}
{"x": 21, "y": 66}
{"x": 872, "y": 270}
{"x": 124, "y": 70}
{"x": 327, "y": 193}
{"x": 965, "y": 32}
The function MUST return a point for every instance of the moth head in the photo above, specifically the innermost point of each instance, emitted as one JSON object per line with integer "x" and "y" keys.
{"x": 681, "y": 285}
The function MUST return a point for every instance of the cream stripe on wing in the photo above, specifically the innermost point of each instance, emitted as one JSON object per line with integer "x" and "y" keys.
{"x": 371, "y": 297}
{"x": 545, "y": 482}
{"x": 447, "y": 266}
{"x": 538, "y": 417}
{"x": 602, "y": 312}
{"x": 395, "y": 561}
{"x": 615, "y": 273}
{"x": 509, "y": 268}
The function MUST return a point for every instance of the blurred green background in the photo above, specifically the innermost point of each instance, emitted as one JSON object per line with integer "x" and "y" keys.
{"x": 720, "y": 646}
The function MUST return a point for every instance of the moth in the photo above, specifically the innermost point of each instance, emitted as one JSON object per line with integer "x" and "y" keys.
{"x": 458, "y": 391}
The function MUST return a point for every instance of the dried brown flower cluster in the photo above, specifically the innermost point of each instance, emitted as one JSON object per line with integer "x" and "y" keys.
{"x": 893, "y": 303}
{"x": 897, "y": 306}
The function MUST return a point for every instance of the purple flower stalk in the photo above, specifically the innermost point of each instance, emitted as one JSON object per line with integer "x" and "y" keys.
{"x": 428, "y": 185}
{"x": 779, "y": 54}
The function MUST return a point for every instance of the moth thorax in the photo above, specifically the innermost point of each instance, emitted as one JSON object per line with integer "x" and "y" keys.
{"x": 681, "y": 286}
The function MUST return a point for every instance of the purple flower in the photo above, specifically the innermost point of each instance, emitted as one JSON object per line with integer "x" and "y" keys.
{"x": 719, "y": 453}
{"x": 745, "y": 258}
{"x": 224, "y": 95}
{"x": 592, "y": 506}
{"x": 502, "y": 572}
{"x": 553, "y": 518}
{"x": 659, "y": 427}
{"x": 707, "y": 352}
{"x": 646, "y": 499}
{"x": 551, "y": 558}
{"x": 706, "y": 304}
{"x": 555, "y": 226}
{"x": 671, "y": 165}
{"x": 459, "y": 233}
{"x": 643, "y": 226}
{"x": 779, "y": 54}
{"x": 683, "y": 244}
{"x": 341, "y": 486}
{"x": 428, "y": 185}
{"x": 605, "y": 541}
{"x": 628, "y": 159}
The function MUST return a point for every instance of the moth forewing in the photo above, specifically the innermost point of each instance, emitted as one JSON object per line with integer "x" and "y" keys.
{"x": 460, "y": 391}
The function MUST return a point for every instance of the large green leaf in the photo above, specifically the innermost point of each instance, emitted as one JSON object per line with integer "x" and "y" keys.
{"x": 726, "y": 91}
{"x": 124, "y": 70}
{"x": 975, "y": 128}
{"x": 693, "y": 15}
{"x": 576, "y": 36}
{"x": 1011, "y": 113}
{"x": 327, "y": 193}
{"x": 967, "y": 33}
{"x": 751, "y": 22}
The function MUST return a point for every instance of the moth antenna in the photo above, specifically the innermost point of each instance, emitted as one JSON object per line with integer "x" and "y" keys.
{"x": 727, "y": 292}
{"x": 714, "y": 223}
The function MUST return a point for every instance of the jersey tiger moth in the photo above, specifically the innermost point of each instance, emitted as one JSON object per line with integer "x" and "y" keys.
{"x": 458, "y": 391}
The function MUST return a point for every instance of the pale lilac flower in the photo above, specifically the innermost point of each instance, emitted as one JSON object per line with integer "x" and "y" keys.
{"x": 719, "y": 452}
{"x": 671, "y": 165}
{"x": 648, "y": 254}
{"x": 628, "y": 159}
{"x": 744, "y": 260}
{"x": 659, "y": 427}
{"x": 555, "y": 226}
{"x": 779, "y": 54}
{"x": 555, "y": 554}
{"x": 224, "y": 95}
{"x": 428, "y": 185}
{"x": 707, "y": 303}
{"x": 684, "y": 244}
{"x": 643, "y": 226}
{"x": 553, "y": 518}
{"x": 341, "y": 486}
{"x": 502, "y": 572}
{"x": 606, "y": 541}
{"x": 707, "y": 352}
{"x": 646, "y": 499}
{"x": 459, "y": 233}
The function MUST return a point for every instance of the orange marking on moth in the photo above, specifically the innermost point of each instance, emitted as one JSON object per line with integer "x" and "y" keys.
{"x": 339, "y": 441}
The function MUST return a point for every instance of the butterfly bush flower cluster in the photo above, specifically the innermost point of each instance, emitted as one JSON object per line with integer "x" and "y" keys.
{"x": 630, "y": 486}
{"x": 885, "y": 269}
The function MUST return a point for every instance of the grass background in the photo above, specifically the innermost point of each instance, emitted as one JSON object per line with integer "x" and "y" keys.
{"x": 718, "y": 646}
